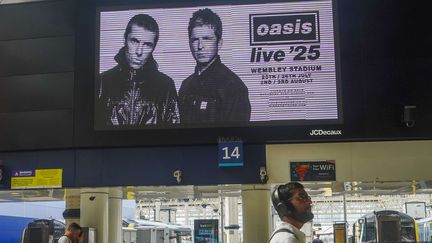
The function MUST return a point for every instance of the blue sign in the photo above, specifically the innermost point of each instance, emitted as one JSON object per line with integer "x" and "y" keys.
{"x": 23, "y": 173}
{"x": 230, "y": 153}
{"x": 206, "y": 231}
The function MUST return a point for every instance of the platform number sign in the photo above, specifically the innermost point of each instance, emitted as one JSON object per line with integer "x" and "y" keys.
{"x": 230, "y": 153}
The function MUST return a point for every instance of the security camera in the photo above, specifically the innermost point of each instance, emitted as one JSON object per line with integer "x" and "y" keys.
{"x": 409, "y": 115}
{"x": 178, "y": 175}
{"x": 263, "y": 175}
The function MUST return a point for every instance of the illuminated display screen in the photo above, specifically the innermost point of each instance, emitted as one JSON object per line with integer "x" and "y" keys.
{"x": 216, "y": 66}
{"x": 206, "y": 230}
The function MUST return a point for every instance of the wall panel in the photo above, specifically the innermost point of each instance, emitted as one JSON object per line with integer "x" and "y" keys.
{"x": 36, "y": 130}
{"x": 36, "y": 20}
{"x": 36, "y": 92}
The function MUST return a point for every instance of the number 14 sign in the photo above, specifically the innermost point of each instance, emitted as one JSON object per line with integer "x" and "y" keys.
{"x": 230, "y": 153}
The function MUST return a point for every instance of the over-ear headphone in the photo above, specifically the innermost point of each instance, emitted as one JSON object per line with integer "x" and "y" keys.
{"x": 284, "y": 208}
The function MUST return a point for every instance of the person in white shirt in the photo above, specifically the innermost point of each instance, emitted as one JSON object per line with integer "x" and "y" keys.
{"x": 72, "y": 234}
{"x": 294, "y": 207}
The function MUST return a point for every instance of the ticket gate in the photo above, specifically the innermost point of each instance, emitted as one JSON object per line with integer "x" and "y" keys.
{"x": 152, "y": 234}
{"x": 129, "y": 235}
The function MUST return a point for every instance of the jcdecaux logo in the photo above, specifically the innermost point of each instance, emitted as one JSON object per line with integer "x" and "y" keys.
{"x": 319, "y": 132}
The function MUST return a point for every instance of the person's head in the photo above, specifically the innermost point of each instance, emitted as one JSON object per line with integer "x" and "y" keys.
{"x": 73, "y": 231}
{"x": 141, "y": 36}
{"x": 292, "y": 203}
{"x": 205, "y": 35}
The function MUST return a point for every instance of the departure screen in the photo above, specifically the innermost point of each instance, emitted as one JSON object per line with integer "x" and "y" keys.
{"x": 216, "y": 66}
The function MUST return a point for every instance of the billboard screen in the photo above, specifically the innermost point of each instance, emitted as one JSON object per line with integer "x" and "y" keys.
{"x": 259, "y": 64}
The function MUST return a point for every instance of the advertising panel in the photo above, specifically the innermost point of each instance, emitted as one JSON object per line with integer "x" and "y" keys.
{"x": 313, "y": 170}
{"x": 206, "y": 231}
{"x": 216, "y": 66}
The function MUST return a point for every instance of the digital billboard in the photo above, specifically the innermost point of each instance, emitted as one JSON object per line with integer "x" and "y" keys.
{"x": 257, "y": 64}
{"x": 206, "y": 230}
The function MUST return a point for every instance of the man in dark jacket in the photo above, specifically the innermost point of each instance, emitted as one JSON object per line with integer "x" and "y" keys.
{"x": 317, "y": 239}
{"x": 213, "y": 93}
{"x": 134, "y": 92}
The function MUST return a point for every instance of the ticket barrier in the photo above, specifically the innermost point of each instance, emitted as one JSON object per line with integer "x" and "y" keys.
{"x": 129, "y": 235}
{"x": 152, "y": 234}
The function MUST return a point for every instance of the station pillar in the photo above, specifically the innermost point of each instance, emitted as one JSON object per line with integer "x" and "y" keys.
{"x": 72, "y": 211}
{"x": 231, "y": 219}
{"x": 158, "y": 205}
{"x": 115, "y": 197}
{"x": 94, "y": 211}
{"x": 256, "y": 214}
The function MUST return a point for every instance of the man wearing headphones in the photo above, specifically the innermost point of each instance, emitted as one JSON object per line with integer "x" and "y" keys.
{"x": 294, "y": 207}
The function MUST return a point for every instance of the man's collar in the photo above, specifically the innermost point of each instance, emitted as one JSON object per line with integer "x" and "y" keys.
{"x": 293, "y": 228}
{"x": 295, "y": 223}
{"x": 203, "y": 69}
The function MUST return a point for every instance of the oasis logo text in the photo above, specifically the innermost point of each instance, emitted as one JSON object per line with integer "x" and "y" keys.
{"x": 319, "y": 132}
{"x": 284, "y": 28}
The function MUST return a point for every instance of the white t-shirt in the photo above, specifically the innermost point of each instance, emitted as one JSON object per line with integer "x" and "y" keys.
{"x": 64, "y": 239}
{"x": 286, "y": 237}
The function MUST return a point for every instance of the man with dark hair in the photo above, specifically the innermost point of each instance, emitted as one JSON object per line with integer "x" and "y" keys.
{"x": 213, "y": 93}
{"x": 72, "y": 234}
{"x": 317, "y": 239}
{"x": 294, "y": 206}
{"x": 135, "y": 92}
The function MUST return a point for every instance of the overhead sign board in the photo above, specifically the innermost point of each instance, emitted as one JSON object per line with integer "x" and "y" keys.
{"x": 230, "y": 153}
{"x": 39, "y": 178}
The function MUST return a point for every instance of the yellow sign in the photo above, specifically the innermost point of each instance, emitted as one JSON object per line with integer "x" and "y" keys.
{"x": 130, "y": 192}
{"x": 43, "y": 178}
{"x": 339, "y": 230}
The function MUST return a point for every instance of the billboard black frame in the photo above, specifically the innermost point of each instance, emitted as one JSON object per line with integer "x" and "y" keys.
{"x": 362, "y": 119}
{"x": 207, "y": 134}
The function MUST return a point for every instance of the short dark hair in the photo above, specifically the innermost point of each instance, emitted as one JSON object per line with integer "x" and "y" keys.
{"x": 281, "y": 197}
{"x": 206, "y": 17}
{"x": 74, "y": 226}
{"x": 284, "y": 191}
{"x": 145, "y": 21}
